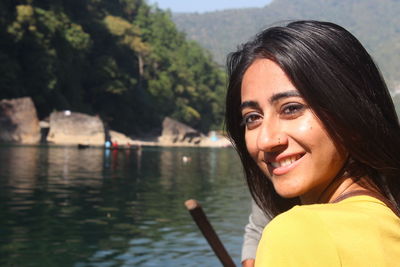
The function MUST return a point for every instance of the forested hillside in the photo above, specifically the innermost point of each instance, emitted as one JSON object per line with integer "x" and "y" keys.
{"x": 122, "y": 60}
{"x": 375, "y": 23}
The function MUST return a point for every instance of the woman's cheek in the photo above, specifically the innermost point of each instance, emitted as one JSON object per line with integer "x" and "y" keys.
{"x": 305, "y": 126}
{"x": 251, "y": 144}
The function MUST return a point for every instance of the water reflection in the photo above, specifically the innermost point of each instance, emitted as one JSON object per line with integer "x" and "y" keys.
{"x": 24, "y": 174}
{"x": 63, "y": 206}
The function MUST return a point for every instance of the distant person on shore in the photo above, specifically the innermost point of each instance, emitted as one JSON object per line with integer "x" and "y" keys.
{"x": 318, "y": 136}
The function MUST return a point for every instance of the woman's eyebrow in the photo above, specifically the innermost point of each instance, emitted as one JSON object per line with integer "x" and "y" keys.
{"x": 278, "y": 96}
{"x": 249, "y": 104}
{"x": 272, "y": 99}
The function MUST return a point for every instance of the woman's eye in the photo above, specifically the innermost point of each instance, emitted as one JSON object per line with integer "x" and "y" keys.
{"x": 251, "y": 120}
{"x": 292, "y": 109}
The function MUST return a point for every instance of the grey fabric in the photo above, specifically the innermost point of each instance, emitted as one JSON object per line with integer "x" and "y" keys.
{"x": 252, "y": 232}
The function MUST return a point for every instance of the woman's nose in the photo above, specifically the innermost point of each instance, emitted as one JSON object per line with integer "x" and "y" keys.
{"x": 271, "y": 138}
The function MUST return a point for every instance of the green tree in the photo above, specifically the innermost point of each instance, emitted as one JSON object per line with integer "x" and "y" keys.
{"x": 123, "y": 60}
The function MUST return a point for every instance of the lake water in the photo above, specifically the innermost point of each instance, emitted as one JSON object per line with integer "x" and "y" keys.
{"x": 63, "y": 206}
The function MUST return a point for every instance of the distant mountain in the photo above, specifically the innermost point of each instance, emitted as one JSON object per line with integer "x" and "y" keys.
{"x": 375, "y": 22}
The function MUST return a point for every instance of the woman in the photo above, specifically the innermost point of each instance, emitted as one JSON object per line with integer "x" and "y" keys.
{"x": 319, "y": 139}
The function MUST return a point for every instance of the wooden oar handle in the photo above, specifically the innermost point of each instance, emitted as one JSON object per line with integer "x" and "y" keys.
{"x": 204, "y": 225}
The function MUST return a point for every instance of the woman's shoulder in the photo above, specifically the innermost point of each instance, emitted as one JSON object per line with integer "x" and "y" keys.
{"x": 331, "y": 231}
{"x": 323, "y": 216}
{"x": 307, "y": 229}
{"x": 298, "y": 234}
{"x": 302, "y": 227}
{"x": 307, "y": 218}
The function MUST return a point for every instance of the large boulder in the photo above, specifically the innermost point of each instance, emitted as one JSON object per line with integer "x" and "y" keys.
{"x": 175, "y": 133}
{"x": 72, "y": 128}
{"x": 18, "y": 121}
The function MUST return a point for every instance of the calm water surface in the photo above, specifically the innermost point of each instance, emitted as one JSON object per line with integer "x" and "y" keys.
{"x": 62, "y": 206}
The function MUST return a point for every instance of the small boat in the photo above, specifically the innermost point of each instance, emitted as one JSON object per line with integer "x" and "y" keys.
{"x": 83, "y": 146}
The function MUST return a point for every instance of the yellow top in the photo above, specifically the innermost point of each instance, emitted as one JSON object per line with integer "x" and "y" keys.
{"x": 358, "y": 231}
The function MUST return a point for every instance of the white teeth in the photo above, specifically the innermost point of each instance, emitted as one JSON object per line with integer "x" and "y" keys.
{"x": 285, "y": 162}
{"x": 275, "y": 164}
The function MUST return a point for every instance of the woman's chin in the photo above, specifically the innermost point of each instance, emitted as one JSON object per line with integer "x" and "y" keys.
{"x": 285, "y": 193}
{"x": 288, "y": 195}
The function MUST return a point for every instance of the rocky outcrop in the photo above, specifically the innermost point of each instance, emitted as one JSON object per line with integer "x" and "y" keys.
{"x": 179, "y": 134}
{"x": 121, "y": 139}
{"x": 18, "y": 121}
{"x": 70, "y": 128}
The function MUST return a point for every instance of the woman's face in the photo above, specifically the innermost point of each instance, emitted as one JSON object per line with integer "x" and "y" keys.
{"x": 284, "y": 137}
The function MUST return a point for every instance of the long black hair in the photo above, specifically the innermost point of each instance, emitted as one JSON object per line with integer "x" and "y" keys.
{"x": 340, "y": 82}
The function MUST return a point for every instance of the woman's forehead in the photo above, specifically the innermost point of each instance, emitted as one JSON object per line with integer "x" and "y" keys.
{"x": 265, "y": 79}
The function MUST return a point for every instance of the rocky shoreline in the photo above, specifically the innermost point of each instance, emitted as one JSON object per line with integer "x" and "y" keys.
{"x": 19, "y": 125}
{"x": 222, "y": 142}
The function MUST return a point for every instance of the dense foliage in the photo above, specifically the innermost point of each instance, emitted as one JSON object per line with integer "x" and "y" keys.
{"x": 375, "y": 23}
{"x": 123, "y": 60}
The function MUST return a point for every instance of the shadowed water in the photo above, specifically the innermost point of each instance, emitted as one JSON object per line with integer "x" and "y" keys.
{"x": 62, "y": 206}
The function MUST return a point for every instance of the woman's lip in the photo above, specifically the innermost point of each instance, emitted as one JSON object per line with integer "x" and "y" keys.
{"x": 284, "y": 169}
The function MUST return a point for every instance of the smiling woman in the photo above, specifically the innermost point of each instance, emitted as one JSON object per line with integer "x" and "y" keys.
{"x": 284, "y": 137}
{"x": 313, "y": 123}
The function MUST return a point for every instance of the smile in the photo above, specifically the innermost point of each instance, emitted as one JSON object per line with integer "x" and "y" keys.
{"x": 286, "y": 161}
{"x": 284, "y": 165}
